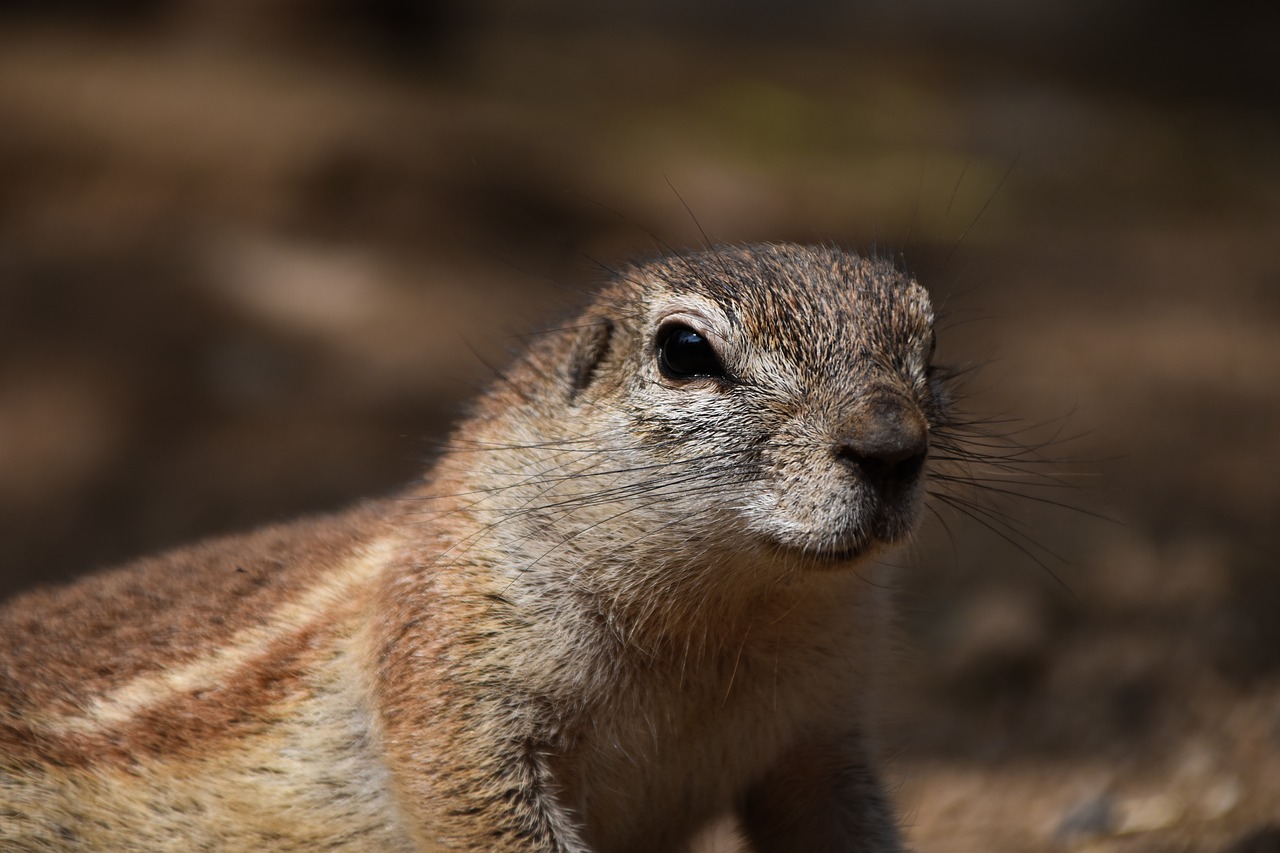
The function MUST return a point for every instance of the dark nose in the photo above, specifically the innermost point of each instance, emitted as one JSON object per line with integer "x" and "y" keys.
{"x": 887, "y": 442}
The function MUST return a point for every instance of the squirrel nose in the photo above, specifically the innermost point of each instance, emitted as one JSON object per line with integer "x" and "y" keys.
{"x": 888, "y": 440}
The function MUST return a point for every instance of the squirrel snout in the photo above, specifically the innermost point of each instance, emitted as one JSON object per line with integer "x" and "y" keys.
{"x": 888, "y": 441}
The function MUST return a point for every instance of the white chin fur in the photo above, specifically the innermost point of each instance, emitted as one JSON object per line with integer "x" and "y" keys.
{"x": 841, "y": 527}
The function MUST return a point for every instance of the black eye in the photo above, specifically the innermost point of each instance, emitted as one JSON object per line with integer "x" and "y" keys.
{"x": 685, "y": 354}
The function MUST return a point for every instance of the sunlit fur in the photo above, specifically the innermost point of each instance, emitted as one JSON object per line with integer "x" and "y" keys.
{"x": 619, "y": 606}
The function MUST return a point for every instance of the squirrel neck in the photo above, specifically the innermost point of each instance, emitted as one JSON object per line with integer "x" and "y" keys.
{"x": 571, "y": 533}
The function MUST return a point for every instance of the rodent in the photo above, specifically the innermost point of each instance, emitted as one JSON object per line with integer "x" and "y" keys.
{"x": 636, "y": 592}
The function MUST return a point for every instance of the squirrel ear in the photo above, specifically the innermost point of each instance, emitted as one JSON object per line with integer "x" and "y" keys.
{"x": 588, "y": 351}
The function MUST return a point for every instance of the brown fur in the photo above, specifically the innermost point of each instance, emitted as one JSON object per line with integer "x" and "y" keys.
{"x": 625, "y": 602}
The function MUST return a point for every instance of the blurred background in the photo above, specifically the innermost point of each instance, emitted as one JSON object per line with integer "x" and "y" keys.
{"x": 256, "y": 254}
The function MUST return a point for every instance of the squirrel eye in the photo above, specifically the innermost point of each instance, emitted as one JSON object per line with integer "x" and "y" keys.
{"x": 685, "y": 354}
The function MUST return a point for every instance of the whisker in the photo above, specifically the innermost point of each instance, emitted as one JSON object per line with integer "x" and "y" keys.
{"x": 976, "y": 514}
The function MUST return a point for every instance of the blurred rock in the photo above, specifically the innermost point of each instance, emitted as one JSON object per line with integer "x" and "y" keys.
{"x": 1148, "y": 814}
{"x": 1093, "y": 816}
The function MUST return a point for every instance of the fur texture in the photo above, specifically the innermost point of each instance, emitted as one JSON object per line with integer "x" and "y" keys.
{"x": 628, "y": 599}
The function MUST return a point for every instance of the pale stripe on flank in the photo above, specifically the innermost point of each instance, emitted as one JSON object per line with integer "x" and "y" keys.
{"x": 118, "y": 706}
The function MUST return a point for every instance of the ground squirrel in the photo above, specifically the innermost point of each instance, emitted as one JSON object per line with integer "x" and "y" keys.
{"x": 635, "y": 593}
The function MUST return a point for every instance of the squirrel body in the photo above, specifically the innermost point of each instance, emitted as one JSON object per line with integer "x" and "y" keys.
{"x": 638, "y": 591}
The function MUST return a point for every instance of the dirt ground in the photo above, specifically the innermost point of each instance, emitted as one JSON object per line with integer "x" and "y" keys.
{"x": 254, "y": 259}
